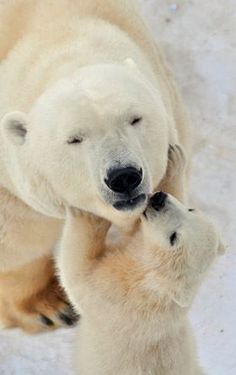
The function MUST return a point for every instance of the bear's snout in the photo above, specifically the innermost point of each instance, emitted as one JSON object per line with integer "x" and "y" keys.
{"x": 124, "y": 180}
{"x": 126, "y": 186}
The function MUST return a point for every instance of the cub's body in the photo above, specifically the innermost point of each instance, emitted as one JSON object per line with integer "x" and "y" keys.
{"x": 134, "y": 295}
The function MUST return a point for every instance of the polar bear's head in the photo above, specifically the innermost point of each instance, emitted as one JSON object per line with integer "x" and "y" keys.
{"x": 97, "y": 141}
{"x": 182, "y": 243}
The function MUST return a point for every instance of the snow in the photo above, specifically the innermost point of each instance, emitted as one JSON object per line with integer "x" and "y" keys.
{"x": 199, "y": 39}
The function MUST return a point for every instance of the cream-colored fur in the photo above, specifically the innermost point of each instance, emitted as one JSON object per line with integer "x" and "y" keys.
{"x": 134, "y": 295}
{"x": 85, "y": 69}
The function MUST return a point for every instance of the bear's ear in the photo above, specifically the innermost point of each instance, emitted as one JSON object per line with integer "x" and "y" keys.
{"x": 14, "y": 127}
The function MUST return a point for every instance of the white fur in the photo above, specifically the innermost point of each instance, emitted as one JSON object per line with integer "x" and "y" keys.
{"x": 134, "y": 297}
{"x": 92, "y": 80}
{"x": 77, "y": 68}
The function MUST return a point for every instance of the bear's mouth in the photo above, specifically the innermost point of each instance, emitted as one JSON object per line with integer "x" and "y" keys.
{"x": 130, "y": 204}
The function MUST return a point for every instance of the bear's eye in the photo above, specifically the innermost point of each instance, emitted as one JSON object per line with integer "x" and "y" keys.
{"x": 75, "y": 140}
{"x": 173, "y": 238}
{"x": 135, "y": 121}
{"x": 191, "y": 209}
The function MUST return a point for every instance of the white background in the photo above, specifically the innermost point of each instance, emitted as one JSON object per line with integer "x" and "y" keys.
{"x": 199, "y": 40}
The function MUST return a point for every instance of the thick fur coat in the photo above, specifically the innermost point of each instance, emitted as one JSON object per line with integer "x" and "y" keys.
{"x": 134, "y": 295}
{"x": 75, "y": 77}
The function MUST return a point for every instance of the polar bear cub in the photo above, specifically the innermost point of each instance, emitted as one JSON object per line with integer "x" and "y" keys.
{"x": 134, "y": 295}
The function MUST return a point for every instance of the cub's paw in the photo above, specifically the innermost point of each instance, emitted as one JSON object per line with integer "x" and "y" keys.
{"x": 176, "y": 161}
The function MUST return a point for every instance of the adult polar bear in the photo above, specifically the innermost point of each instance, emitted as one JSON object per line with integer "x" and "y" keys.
{"x": 87, "y": 110}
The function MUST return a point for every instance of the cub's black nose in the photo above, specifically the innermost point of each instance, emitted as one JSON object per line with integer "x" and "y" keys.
{"x": 158, "y": 201}
{"x": 124, "y": 180}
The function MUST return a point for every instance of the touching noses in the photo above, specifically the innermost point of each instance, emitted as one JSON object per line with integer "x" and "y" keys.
{"x": 124, "y": 180}
{"x": 158, "y": 201}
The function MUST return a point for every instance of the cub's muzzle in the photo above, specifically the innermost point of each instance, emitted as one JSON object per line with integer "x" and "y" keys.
{"x": 158, "y": 201}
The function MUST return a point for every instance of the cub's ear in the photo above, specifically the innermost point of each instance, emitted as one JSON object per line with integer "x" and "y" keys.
{"x": 14, "y": 127}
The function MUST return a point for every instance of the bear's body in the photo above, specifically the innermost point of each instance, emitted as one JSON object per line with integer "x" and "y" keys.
{"x": 52, "y": 56}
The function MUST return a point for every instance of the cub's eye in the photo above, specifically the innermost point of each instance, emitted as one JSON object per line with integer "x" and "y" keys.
{"x": 135, "y": 121}
{"x": 173, "y": 238}
{"x": 75, "y": 140}
{"x": 191, "y": 209}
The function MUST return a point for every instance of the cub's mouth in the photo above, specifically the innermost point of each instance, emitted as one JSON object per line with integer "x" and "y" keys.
{"x": 131, "y": 203}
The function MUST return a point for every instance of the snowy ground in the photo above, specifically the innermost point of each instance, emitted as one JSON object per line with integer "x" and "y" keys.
{"x": 199, "y": 39}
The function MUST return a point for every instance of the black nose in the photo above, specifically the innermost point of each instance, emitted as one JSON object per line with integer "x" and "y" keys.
{"x": 158, "y": 201}
{"x": 124, "y": 180}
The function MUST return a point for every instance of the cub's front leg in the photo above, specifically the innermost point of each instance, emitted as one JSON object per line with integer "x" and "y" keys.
{"x": 175, "y": 180}
{"x": 83, "y": 241}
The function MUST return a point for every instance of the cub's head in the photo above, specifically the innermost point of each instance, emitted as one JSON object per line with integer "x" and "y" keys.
{"x": 179, "y": 246}
{"x": 171, "y": 226}
{"x": 96, "y": 141}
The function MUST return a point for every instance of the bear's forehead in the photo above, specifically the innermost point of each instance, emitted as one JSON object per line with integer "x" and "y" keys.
{"x": 95, "y": 93}
{"x": 98, "y": 84}
{"x": 74, "y": 101}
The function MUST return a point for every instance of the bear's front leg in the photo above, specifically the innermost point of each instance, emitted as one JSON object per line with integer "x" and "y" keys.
{"x": 31, "y": 298}
{"x": 175, "y": 180}
{"x": 30, "y": 295}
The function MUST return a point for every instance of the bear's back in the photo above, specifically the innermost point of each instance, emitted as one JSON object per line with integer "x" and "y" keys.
{"x": 52, "y": 19}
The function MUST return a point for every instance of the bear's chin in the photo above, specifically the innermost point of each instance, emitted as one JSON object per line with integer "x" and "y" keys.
{"x": 130, "y": 204}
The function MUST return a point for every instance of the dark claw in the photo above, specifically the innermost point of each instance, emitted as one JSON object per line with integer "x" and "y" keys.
{"x": 46, "y": 321}
{"x": 68, "y": 316}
